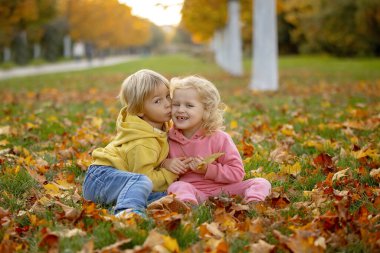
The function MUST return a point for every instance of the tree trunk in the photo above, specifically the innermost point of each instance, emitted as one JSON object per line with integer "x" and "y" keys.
{"x": 234, "y": 50}
{"x": 7, "y": 54}
{"x": 67, "y": 46}
{"x": 36, "y": 51}
{"x": 265, "y": 48}
{"x": 227, "y": 43}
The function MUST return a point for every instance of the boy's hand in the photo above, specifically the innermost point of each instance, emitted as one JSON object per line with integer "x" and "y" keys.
{"x": 177, "y": 165}
{"x": 198, "y": 165}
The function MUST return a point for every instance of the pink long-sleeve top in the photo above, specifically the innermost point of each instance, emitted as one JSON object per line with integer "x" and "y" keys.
{"x": 226, "y": 169}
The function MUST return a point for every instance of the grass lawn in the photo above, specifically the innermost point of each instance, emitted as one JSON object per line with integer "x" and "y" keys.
{"x": 316, "y": 140}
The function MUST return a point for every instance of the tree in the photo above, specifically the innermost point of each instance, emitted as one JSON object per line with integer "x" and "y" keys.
{"x": 264, "y": 70}
{"x": 220, "y": 22}
{"x": 114, "y": 23}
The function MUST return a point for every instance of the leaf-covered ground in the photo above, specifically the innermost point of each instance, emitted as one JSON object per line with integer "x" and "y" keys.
{"x": 316, "y": 140}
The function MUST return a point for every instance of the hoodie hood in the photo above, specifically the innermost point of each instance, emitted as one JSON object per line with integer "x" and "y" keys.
{"x": 131, "y": 127}
{"x": 176, "y": 135}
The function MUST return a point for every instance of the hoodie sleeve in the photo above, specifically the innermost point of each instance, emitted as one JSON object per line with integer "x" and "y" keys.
{"x": 229, "y": 167}
{"x": 142, "y": 159}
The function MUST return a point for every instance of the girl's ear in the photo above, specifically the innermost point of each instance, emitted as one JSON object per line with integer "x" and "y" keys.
{"x": 140, "y": 114}
{"x": 206, "y": 115}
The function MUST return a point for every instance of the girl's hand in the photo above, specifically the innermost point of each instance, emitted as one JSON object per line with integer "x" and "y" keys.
{"x": 198, "y": 165}
{"x": 177, "y": 165}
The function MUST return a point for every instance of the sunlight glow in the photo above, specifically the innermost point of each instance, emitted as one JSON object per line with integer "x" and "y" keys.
{"x": 160, "y": 12}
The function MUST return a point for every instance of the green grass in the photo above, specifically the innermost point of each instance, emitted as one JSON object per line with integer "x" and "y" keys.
{"x": 16, "y": 188}
{"x": 52, "y": 117}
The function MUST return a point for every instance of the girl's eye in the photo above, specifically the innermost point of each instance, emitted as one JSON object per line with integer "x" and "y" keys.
{"x": 157, "y": 101}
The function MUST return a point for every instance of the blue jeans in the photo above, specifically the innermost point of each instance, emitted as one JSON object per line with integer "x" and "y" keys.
{"x": 107, "y": 185}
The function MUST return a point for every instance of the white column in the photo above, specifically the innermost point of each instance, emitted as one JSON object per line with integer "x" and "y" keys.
{"x": 7, "y": 54}
{"x": 67, "y": 46}
{"x": 36, "y": 51}
{"x": 265, "y": 48}
{"x": 235, "y": 55}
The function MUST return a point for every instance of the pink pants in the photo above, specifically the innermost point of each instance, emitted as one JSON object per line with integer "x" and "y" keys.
{"x": 256, "y": 189}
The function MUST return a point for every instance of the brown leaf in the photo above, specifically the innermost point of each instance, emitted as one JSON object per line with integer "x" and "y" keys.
{"x": 114, "y": 247}
{"x": 262, "y": 247}
{"x": 325, "y": 162}
{"x": 50, "y": 241}
{"x": 280, "y": 155}
{"x": 302, "y": 241}
{"x": 247, "y": 148}
{"x": 69, "y": 212}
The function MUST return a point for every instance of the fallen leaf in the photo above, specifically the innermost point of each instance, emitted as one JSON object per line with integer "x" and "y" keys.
{"x": 262, "y": 247}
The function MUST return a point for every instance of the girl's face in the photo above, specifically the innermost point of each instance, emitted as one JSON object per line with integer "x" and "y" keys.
{"x": 157, "y": 107}
{"x": 187, "y": 111}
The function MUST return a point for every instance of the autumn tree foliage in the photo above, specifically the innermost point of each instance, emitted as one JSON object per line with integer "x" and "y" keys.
{"x": 343, "y": 28}
{"x": 106, "y": 23}
{"x": 25, "y": 25}
{"x": 202, "y": 18}
{"x": 22, "y": 21}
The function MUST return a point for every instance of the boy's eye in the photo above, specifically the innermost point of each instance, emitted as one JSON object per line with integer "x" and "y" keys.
{"x": 175, "y": 104}
{"x": 190, "y": 105}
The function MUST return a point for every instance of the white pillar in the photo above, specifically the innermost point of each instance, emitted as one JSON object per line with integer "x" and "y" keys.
{"x": 265, "y": 48}
{"x": 36, "y": 51}
{"x": 7, "y": 54}
{"x": 67, "y": 46}
{"x": 235, "y": 55}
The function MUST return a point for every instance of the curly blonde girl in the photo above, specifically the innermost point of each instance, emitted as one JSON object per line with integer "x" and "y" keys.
{"x": 209, "y": 96}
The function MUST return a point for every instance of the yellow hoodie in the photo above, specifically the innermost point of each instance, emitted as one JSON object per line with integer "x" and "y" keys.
{"x": 138, "y": 147}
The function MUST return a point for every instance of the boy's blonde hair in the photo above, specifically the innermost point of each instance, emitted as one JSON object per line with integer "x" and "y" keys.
{"x": 137, "y": 87}
{"x": 209, "y": 96}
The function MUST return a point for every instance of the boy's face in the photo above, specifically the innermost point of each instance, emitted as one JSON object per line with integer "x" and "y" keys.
{"x": 157, "y": 107}
{"x": 187, "y": 111}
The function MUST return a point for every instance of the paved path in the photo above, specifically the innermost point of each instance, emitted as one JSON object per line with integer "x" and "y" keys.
{"x": 63, "y": 67}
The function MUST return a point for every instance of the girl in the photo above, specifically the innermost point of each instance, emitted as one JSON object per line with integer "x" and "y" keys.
{"x": 197, "y": 133}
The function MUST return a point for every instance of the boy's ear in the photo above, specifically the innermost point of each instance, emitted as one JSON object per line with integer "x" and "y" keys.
{"x": 140, "y": 114}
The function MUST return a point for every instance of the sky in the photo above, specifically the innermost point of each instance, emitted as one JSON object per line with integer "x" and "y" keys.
{"x": 160, "y": 12}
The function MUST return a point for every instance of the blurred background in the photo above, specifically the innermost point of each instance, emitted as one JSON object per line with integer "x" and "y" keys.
{"x": 33, "y": 31}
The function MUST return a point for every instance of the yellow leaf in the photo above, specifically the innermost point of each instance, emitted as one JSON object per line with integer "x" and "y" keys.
{"x": 287, "y": 130}
{"x": 209, "y": 159}
{"x": 366, "y": 152}
{"x": 51, "y": 189}
{"x": 64, "y": 185}
{"x": 4, "y": 142}
{"x": 171, "y": 244}
{"x": 52, "y": 118}
{"x": 45, "y": 201}
{"x": 97, "y": 122}
{"x": 234, "y": 124}
{"x": 325, "y": 104}
{"x": 293, "y": 170}
{"x": 315, "y": 144}
{"x": 30, "y": 126}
